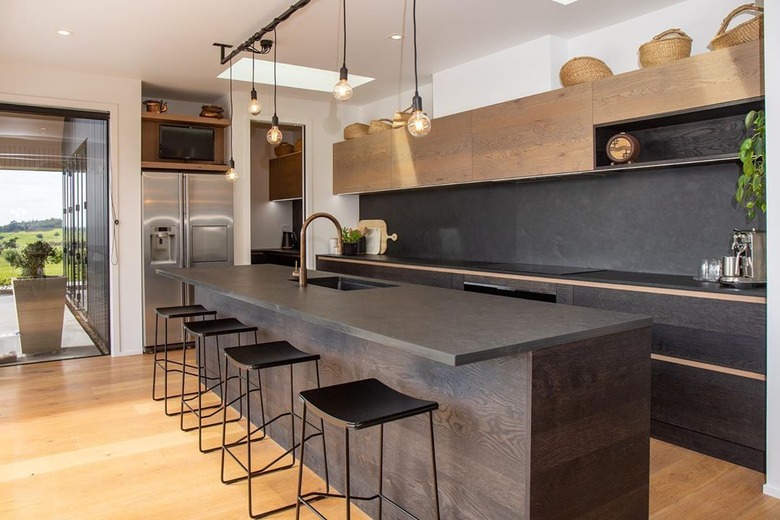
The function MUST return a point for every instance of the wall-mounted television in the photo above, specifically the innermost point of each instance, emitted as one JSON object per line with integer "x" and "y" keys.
{"x": 186, "y": 143}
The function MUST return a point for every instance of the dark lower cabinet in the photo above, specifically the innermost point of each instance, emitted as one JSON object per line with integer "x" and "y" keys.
{"x": 718, "y": 409}
{"x": 274, "y": 256}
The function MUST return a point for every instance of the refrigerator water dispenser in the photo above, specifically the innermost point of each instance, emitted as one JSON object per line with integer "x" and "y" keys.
{"x": 163, "y": 245}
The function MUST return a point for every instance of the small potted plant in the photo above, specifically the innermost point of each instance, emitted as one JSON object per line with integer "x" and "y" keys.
{"x": 40, "y": 299}
{"x": 351, "y": 238}
{"x": 751, "y": 185}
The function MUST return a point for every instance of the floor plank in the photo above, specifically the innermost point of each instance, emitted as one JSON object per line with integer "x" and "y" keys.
{"x": 82, "y": 439}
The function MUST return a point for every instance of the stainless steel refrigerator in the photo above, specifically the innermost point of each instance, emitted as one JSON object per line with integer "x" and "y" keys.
{"x": 187, "y": 222}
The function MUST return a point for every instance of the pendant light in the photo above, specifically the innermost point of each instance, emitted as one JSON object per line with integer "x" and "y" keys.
{"x": 274, "y": 135}
{"x": 419, "y": 124}
{"x": 343, "y": 91}
{"x": 231, "y": 175}
{"x": 254, "y": 106}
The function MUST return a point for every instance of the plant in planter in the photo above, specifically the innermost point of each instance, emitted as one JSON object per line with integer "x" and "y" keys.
{"x": 40, "y": 300}
{"x": 351, "y": 238}
{"x": 751, "y": 185}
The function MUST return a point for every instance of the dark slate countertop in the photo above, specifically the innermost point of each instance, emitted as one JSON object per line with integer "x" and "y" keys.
{"x": 451, "y": 327}
{"x": 661, "y": 281}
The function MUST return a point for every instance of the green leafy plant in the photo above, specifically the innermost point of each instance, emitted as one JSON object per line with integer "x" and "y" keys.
{"x": 350, "y": 236}
{"x": 32, "y": 258}
{"x": 751, "y": 185}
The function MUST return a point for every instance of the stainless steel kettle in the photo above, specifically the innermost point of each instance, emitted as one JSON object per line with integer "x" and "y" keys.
{"x": 289, "y": 240}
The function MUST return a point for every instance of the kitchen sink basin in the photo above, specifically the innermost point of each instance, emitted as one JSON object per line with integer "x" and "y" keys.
{"x": 342, "y": 283}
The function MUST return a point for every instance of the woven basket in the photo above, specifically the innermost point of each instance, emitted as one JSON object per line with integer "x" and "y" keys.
{"x": 745, "y": 32}
{"x": 670, "y": 45}
{"x": 400, "y": 119}
{"x": 283, "y": 148}
{"x": 355, "y": 130}
{"x": 583, "y": 69}
{"x": 379, "y": 125}
{"x": 298, "y": 146}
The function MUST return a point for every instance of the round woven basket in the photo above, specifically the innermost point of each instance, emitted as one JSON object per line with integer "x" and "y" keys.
{"x": 355, "y": 130}
{"x": 298, "y": 146}
{"x": 400, "y": 119}
{"x": 283, "y": 148}
{"x": 583, "y": 69}
{"x": 379, "y": 125}
{"x": 745, "y": 32}
{"x": 670, "y": 45}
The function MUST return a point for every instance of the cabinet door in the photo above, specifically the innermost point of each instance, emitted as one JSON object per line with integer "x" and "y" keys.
{"x": 285, "y": 177}
{"x": 543, "y": 134}
{"x": 363, "y": 164}
{"x": 442, "y": 157}
{"x": 721, "y": 76}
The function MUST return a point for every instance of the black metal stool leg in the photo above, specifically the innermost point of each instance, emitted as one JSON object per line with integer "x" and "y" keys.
{"x": 347, "y": 493}
{"x": 156, "y": 360}
{"x": 381, "y": 465}
{"x": 300, "y": 466}
{"x": 249, "y": 439}
{"x": 433, "y": 463}
{"x": 322, "y": 429}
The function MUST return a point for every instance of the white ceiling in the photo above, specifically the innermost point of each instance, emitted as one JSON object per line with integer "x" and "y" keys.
{"x": 167, "y": 44}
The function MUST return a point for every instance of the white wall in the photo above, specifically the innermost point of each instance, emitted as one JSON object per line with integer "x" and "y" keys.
{"x": 523, "y": 70}
{"x": 772, "y": 69}
{"x": 120, "y": 97}
{"x": 324, "y": 122}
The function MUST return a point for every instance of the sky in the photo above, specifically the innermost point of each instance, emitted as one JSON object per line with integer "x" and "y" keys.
{"x": 26, "y": 195}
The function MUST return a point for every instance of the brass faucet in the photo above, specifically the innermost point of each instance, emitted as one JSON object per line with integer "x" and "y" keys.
{"x": 302, "y": 275}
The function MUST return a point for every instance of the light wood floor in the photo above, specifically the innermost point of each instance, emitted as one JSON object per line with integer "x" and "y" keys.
{"x": 82, "y": 439}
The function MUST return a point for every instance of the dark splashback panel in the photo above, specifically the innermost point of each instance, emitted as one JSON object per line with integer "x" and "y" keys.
{"x": 658, "y": 221}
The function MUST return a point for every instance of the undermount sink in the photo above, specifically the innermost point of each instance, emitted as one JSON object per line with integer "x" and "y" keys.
{"x": 342, "y": 283}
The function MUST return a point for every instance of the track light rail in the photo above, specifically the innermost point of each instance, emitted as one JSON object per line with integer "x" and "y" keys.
{"x": 248, "y": 45}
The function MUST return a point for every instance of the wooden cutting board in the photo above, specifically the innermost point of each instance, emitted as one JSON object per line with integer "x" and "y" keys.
{"x": 381, "y": 225}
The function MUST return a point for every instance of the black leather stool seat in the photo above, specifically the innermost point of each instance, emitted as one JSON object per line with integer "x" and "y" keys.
{"x": 184, "y": 311}
{"x": 217, "y": 327}
{"x": 267, "y": 355}
{"x": 364, "y": 403}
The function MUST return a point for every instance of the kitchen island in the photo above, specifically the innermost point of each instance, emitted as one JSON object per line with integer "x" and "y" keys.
{"x": 544, "y": 408}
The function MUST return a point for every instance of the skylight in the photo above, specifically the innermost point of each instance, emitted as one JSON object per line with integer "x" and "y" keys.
{"x": 288, "y": 75}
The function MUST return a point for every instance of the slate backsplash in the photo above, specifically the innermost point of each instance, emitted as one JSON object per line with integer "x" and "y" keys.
{"x": 656, "y": 221}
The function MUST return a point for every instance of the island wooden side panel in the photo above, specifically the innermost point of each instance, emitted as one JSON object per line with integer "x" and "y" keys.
{"x": 590, "y": 429}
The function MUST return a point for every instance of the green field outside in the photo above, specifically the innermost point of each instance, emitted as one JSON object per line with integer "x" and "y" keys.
{"x": 24, "y": 238}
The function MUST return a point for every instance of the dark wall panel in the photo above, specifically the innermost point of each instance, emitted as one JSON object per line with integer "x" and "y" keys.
{"x": 658, "y": 221}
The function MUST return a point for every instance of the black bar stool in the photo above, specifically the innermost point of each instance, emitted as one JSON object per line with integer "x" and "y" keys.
{"x": 183, "y": 312}
{"x": 207, "y": 381}
{"x": 258, "y": 357}
{"x": 355, "y": 406}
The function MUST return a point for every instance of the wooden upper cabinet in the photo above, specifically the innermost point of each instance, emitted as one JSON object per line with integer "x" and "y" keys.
{"x": 285, "y": 177}
{"x": 544, "y": 134}
{"x": 441, "y": 157}
{"x": 721, "y": 76}
{"x": 362, "y": 165}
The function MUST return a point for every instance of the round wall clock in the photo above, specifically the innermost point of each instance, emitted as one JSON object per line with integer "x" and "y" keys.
{"x": 622, "y": 148}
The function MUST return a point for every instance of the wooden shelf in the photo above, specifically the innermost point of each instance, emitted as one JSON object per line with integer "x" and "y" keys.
{"x": 175, "y": 118}
{"x": 285, "y": 177}
{"x": 181, "y": 166}
{"x": 691, "y": 161}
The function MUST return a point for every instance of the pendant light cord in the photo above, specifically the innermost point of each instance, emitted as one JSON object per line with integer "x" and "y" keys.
{"x": 414, "y": 28}
{"x": 276, "y": 44}
{"x": 253, "y": 68}
{"x": 344, "y": 11}
{"x": 231, "y": 109}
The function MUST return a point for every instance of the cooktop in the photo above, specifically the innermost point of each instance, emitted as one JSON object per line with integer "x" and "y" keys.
{"x": 538, "y": 269}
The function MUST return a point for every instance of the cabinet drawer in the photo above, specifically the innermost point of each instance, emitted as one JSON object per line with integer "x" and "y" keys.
{"x": 731, "y": 334}
{"x": 720, "y": 405}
